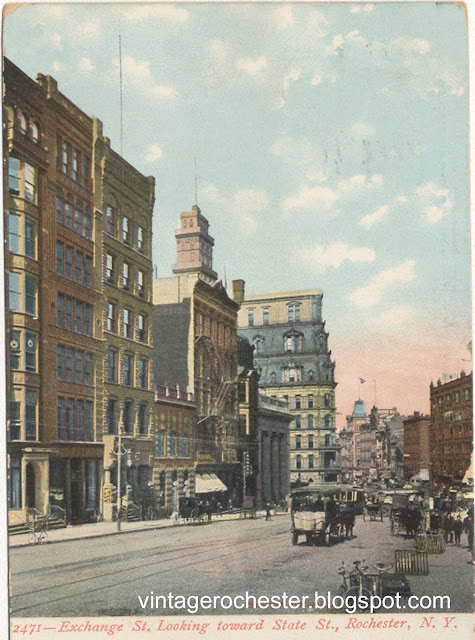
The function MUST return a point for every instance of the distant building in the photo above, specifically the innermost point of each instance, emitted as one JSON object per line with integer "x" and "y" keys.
{"x": 451, "y": 429}
{"x": 194, "y": 337}
{"x": 174, "y": 459}
{"x": 294, "y": 363}
{"x": 417, "y": 446}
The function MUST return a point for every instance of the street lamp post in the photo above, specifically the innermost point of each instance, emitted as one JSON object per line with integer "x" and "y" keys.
{"x": 120, "y": 452}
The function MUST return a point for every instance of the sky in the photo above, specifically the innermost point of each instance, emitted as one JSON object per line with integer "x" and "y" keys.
{"x": 331, "y": 146}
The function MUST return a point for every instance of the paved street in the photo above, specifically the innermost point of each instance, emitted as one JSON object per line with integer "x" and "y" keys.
{"x": 105, "y": 575}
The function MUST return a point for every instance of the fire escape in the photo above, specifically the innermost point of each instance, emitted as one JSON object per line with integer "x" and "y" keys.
{"x": 219, "y": 404}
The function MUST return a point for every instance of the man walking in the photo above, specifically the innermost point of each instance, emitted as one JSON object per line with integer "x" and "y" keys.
{"x": 267, "y": 511}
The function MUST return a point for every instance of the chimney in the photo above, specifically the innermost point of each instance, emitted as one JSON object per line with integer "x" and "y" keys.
{"x": 238, "y": 291}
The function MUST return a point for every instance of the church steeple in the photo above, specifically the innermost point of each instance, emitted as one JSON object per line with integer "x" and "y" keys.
{"x": 194, "y": 246}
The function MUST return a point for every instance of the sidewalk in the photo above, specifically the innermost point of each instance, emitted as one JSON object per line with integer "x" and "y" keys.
{"x": 100, "y": 529}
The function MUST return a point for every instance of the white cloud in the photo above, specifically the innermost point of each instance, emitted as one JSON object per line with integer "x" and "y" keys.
{"x": 334, "y": 255}
{"x": 250, "y": 66}
{"x": 153, "y": 153}
{"x": 85, "y": 65}
{"x": 355, "y": 36}
{"x": 408, "y": 46}
{"x": 336, "y": 46}
{"x": 219, "y": 49}
{"x": 57, "y": 66}
{"x": 401, "y": 199}
{"x": 382, "y": 282}
{"x": 167, "y": 12}
{"x": 291, "y": 76}
{"x": 88, "y": 29}
{"x": 371, "y": 219}
{"x": 368, "y": 7}
{"x": 458, "y": 92}
{"x": 245, "y": 205}
{"x": 317, "y": 78}
{"x": 362, "y": 130}
{"x": 284, "y": 17}
{"x": 435, "y": 201}
{"x": 316, "y": 176}
{"x": 138, "y": 74}
{"x": 391, "y": 318}
{"x": 323, "y": 199}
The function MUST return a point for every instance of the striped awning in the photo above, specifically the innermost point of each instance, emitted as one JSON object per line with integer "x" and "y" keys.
{"x": 208, "y": 483}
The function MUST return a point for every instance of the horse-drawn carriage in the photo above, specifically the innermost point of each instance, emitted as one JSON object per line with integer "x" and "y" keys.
{"x": 406, "y": 518}
{"x": 373, "y": 511}
{"x": 193, "y": 510}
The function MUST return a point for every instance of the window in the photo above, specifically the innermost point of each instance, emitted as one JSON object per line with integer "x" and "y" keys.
{"x": 35, "y": 132}
{"x": 298, "y": 402}
{"x": 73, "y": 264}
{"x": 159, "y": 442}
{"x": 111, "y": 317}
{"x": 127, "y": 324}
{"x": 293, "y": 343}
{"x": 111, "y": 415}
{"x": 75, "y": 420}
{"x": 109, "y": 268}
{"x": 109, "y": 221}
{"x": 291, "y": 374}
{"x": 127, "y": 365}
{"x": 15, "y": 350}
{"x": 73, "y": 365}
{"x": 327, "y": 421}
{"x": 74, "y": 165}
{"x": 125, "y": 230}
{"x": 311, "y": 462}
{"x": 30, "y": 239}
{"x": 310, "y": 441}
{"x": 310, "y": 422}
{"x": 30, "y": 351}
{"x": 298, "y": 462}
{"x": 457, "y": 397}
{"x": 273, "y": 377}
{"x": 23, "y": 124}
{"x": 30, "y": 295}
{"x": 127, "y": 417}
{"x": 139, "y": 286}
{"x": 466, "y": 394}
{"x": 326, "y": 401}
{"x": 298, "y": 422}
{"x": 143, "y": 374}
{"x": 111, "y": 365}
{"x": 140, "y": 239}
{"x": 265, "y": 316}
{"x": 21, "y": 179}
{"x": 64, "y": 157}
{"x": 250, "y": 318}
{"x": 143, "y": 419}
{"x": 309, "y": 402}
{"x": 293, "y": 313}
{"x": 125, "y": 276}
{"x": 141, "y": 328}
{"x": 14, "y": 233}
{"x": 14, "y": 484}
{"x": 258, "y": 343}
{"x": 15, "y": 414}
{"x": 31, "y": 401}
{"x": 14, "y": 293}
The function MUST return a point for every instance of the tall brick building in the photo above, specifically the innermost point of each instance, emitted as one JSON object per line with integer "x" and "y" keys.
{"x": 451, "y": 429}
{"x": 59, "y": 176}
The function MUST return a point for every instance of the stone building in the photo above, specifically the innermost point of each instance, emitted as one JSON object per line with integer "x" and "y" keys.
{"x": 174, "y": 466}
{"x": 294, "y": 363}
{"x": 54, "y": 300}
{"x": 417, "y": 446}
{"x": 194, "y": 326}
{"x": 124, "y": 200}
{"x": 451, "y": 429}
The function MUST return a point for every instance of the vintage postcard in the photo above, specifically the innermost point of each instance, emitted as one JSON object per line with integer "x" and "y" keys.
{"x": 237, "y": 320}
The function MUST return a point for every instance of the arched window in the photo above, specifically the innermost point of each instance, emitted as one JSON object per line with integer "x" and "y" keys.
{"x": 35, "y": 132}
{"x": 23, "y": 124}
{"x": 68, "y": 218}
{"x": 310, "y": 462}
{"x": 293, "y": 342}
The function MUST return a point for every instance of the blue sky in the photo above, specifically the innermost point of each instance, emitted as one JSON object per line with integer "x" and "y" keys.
{"x": 332, "y": 151}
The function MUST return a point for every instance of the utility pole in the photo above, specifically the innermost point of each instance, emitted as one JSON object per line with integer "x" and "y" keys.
{"x": 119, "y": 468}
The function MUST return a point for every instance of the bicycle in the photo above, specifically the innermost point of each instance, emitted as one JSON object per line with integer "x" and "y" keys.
{"x": 37, "y": 533}
{"x": 355, "y": 582}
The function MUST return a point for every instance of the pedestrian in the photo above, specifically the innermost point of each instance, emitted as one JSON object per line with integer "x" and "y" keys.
{"x": 451, "y": 528}
{"x": 458, "y": 526}
{"x": 445, "y": 528}
{"x": 267, "y": 511}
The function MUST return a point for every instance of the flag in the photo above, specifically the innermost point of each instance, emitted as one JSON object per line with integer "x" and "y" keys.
{"x": 362, "y": 381}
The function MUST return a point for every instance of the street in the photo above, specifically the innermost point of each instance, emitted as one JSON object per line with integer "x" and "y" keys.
{"x": 105, "y": 576}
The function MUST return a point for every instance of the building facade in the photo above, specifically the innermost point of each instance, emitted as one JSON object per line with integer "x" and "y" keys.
{"x": 124, "y": 200}
{"x": 451, "y": 429}
{"x": 417, "y": 446}
{"x": 174, "y": 464}
{"x": 294, "y": 364}
{"x": 54, "y": 300}
{"x": 195, "y": 329}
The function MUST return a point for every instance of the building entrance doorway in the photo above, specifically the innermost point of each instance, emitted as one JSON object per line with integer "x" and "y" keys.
{"x": 30, "y": 486}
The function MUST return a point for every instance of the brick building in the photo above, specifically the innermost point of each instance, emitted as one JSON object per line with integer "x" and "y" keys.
{"x": 195, "y": 325}
{"x": 451, "y": 429}
{"x": 417, "y": 446}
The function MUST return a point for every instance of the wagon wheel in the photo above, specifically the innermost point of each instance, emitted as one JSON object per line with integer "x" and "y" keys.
{"x": 295, "y": 537}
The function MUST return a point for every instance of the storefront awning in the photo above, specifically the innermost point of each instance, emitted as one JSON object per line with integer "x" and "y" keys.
{"x": 208, "y": 483}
